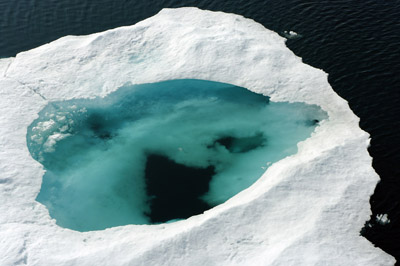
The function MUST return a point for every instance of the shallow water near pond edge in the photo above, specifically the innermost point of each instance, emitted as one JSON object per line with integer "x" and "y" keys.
{"x": 159, "y": 152}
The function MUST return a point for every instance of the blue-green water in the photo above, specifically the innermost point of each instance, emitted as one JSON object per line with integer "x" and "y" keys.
{"x": 156, "y": 152}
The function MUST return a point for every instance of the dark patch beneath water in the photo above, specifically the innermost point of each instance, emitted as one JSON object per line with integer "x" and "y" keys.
{"x": 241, "y": 145}
{"x": 313, "y": 122}
{"x": 98, "y": 125}
{"x": 175, "y": 189}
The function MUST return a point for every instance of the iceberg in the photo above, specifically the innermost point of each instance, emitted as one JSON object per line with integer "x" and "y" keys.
{"x": 306, "y": 209}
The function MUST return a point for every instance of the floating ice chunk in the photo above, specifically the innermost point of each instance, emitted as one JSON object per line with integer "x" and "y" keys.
{"x": 291, "y": 34}
{"x": 51, "y": 141}
{"x": 382, "y": 219}
{"x": 45, "y": 125}
{"x": 277, "y": 221}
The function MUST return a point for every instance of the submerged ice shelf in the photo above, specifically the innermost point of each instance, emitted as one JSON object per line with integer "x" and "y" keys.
{"x": 158, "y": 152}
{"x": 306, "y": 209}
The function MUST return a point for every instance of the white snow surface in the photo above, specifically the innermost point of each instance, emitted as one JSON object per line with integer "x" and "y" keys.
{"x": 307, "y": 209}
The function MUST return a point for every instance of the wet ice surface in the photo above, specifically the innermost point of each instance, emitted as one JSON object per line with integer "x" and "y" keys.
{"x": 158, "y": 152}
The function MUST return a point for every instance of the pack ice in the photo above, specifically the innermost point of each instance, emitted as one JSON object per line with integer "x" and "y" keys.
{"x": 306, "y": 209}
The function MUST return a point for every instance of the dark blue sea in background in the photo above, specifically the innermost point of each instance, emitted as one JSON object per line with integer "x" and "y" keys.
{"x": 356, "y": 42}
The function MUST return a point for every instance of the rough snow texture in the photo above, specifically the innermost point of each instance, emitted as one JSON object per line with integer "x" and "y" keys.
{"x": 307, "y": 209}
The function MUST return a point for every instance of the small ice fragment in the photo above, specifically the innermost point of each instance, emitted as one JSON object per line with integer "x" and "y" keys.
{"x": 52, "y": 140}
{"x": 291, "y": 34}
{"x": 382, "y": 219}
{"x": 60, "y": 118}
{"x": 45, "y": 125}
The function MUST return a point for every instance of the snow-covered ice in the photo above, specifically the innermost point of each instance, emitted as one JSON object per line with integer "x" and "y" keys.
{"x": 307, "y": 209}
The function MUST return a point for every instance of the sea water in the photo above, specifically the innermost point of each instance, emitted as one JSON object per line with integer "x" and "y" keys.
{"x": 158, "y": 152}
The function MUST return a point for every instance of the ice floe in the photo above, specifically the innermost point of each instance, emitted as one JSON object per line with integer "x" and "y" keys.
{"x": 307, "y": 209}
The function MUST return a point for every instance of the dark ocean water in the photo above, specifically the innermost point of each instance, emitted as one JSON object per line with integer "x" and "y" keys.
{"x": 356, "y": 42}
